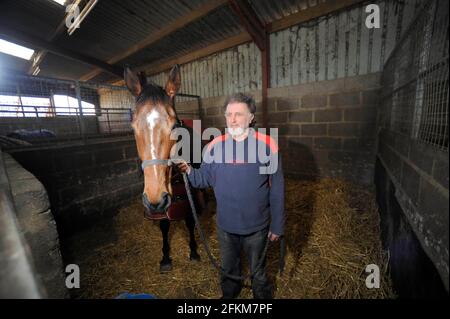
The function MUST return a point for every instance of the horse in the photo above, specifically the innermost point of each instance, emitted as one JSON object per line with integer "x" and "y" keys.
{"x": 153, "y": 120}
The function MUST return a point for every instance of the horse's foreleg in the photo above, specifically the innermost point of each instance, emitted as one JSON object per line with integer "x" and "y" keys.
{"x": 190, "y": 223}
{"x": 165, "y": 263}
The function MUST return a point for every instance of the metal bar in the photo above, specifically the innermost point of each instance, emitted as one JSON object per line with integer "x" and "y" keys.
{"x": 109, "y": 124}
{"x": 80, "y": 108}
{"x": 20, "y": 99}
{"x": 52, "y": 110}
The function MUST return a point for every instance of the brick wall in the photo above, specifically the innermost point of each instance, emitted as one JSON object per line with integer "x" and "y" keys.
{"x": 86, "y": 183}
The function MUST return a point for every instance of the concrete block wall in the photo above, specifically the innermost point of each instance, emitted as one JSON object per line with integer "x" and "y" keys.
{"x": 325, "y": 128}
{"x": 88, "y": 182}
{"x": 188, "y": 108}
{"x": 416, "y": 168}
{"x": 37, "y": 224}
{"x": 419, "y": 173}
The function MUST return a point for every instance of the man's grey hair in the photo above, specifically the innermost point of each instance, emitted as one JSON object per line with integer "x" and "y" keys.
{"x": 242, "y": 98}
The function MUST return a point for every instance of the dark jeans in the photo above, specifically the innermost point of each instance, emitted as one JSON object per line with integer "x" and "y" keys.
{"x": 230, "y": 251}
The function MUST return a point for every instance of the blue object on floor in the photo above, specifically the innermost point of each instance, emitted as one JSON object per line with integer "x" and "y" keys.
{"x": 127, "y": 295}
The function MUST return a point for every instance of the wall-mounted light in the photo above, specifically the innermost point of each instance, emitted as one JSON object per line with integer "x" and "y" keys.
{"x": 36, "y": 71}
{"x": 76, "y": 23}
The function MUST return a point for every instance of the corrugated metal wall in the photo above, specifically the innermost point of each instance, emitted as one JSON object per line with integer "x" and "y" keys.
{"x": 237, "y": 69}
{"x": 328, "y": 48}
{"x": 111, "y": 120}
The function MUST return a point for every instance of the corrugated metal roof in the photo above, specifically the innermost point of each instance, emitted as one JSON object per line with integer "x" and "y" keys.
{"x": 103, "y": 77}
{"x": 36, "y": 17}
{"x": 269, "y": 10}
{"x": 114, "y": 26}
{"x": 12, "y": 63}
{"x": 60, "y": 67}
{"x": 218, "y": 25}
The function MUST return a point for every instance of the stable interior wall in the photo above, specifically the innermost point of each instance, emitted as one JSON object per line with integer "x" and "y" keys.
{"x": 86, "y": 183}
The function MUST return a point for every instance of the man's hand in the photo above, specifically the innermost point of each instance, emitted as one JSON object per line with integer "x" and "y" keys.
{"x": 273, "y": 237}
{"x": 184, "y": 167}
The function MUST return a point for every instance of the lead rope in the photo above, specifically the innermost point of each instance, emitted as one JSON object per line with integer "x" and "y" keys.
{"x": 206, "y": 246}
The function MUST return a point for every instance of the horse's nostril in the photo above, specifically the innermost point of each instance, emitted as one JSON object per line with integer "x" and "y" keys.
{"x": 163, "y": 204}
{"x": 146, "y": 202}
{"x": 165, "y": 201}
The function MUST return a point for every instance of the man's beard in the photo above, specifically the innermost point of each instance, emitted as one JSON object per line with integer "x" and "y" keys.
{"x": 236, "y": 131}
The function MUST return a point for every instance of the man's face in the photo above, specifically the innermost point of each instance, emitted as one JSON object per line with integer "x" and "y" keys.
{"x": 238, "y": 118}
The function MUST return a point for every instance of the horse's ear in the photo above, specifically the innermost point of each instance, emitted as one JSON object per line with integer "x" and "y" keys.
{"x": 142, "y": 78}
{"x": 174, "y": 82}
{"x": 132, "y": 82}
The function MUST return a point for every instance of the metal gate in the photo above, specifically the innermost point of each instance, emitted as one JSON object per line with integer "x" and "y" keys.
{"x": 44, "y": 110}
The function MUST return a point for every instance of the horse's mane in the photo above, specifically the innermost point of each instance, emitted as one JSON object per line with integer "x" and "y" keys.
{"x": 154, "y": 93}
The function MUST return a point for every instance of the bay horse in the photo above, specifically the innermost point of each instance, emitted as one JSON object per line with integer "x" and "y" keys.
{"x": 153, "y": 120}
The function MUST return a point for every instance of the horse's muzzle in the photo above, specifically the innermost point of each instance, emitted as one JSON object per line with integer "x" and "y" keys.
{"x": 161, "y": 207}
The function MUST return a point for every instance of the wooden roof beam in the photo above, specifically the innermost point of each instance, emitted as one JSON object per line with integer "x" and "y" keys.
{"x": 311, "y": 13}
{"x": 260, "y": 36}
{"x": 39, "y": 57}
{"x": 250, "y": 21}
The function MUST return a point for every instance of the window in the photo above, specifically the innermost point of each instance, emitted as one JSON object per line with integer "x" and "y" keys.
{"x": 9, "y": 106}
{"x": 88, "y": 108}
{"x": 36, "y": 106}
{"x": 27, "y": 106}
{"x": 16, "y": 106}
{"x": 61, "y": 2}
{"x": 16, "y": 50}
{"x": 67, "y": 105}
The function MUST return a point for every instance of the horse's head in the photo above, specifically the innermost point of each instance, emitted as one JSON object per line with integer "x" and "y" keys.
{"x": 153, "y": 120}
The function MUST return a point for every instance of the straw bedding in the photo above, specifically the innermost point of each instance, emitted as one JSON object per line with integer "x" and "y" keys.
{"x": 332, "y": 234}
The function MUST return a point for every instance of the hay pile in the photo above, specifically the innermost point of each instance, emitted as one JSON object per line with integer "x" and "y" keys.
{"x": 332, "y": 234}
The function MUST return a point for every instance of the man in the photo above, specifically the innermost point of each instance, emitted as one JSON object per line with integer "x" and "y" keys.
{"x": 244, "y": 169}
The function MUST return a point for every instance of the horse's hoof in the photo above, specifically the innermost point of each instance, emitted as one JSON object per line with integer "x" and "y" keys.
{"x": 165, "y": 266}
{"x": 194, "y": 256}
